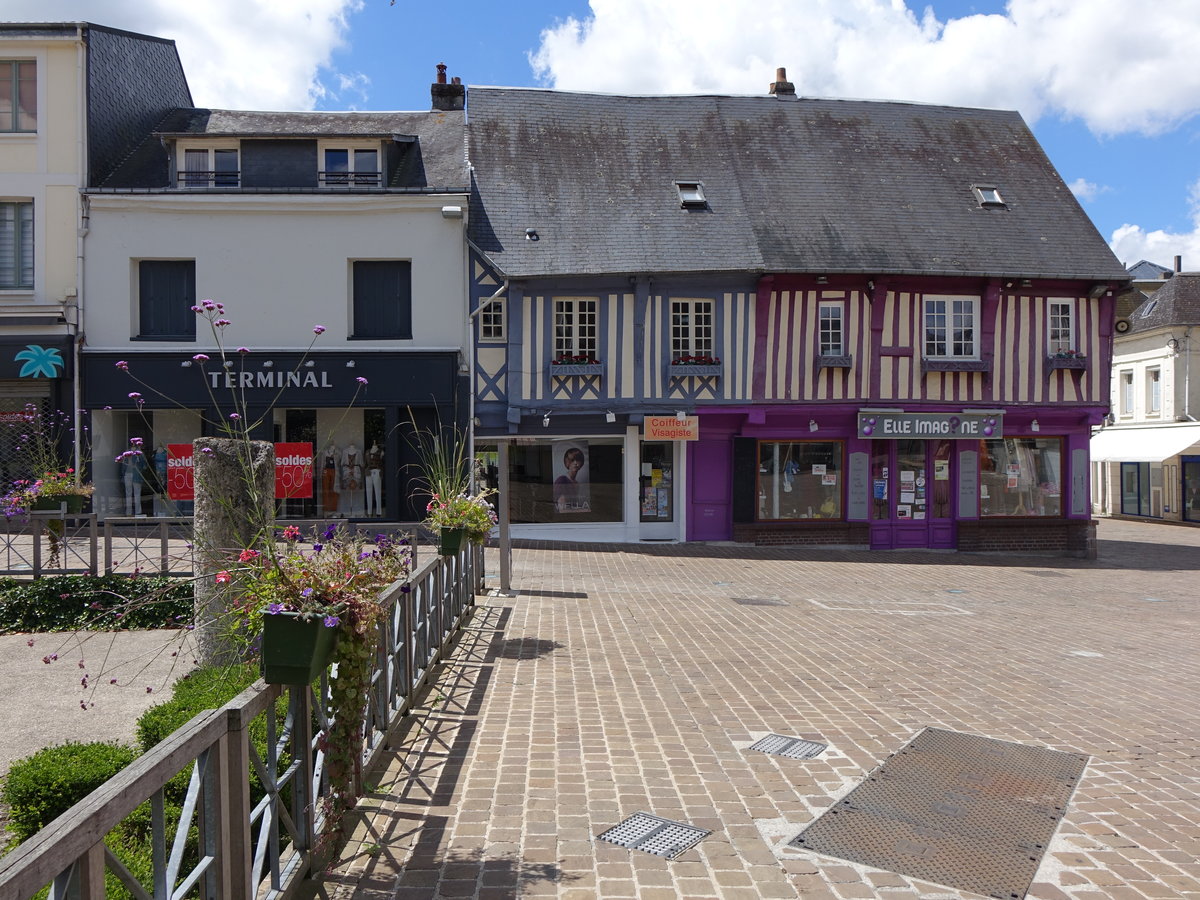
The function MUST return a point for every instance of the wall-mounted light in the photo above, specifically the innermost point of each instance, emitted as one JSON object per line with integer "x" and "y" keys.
{"x": 821, "y": 279}
{"x": 228, "y": 364}
{"x": 349, "y": 364}
{"x": 268, "y": 364}
{"x": 452, "y": 212}
{"x": 1035, "y": 426}
{"x": 680, "y": 415}
{"x": 1026, "y": 283}
{"x": 610, "y": 417}
{"x": 546, "y": 420}
{"x": 812, "y": 425}
{"x": 187, "y": 363}
{"x": 310, "y": 364}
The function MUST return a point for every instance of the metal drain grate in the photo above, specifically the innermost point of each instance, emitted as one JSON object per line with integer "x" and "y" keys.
{"x": 758, "y": 601}
{"x": 650, "y": 834}
{"x": 957, "y": 809}
{"x": 788, "y": 747}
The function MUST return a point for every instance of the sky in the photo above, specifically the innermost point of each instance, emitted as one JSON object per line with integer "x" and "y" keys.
{"x": 1110, "y": 87}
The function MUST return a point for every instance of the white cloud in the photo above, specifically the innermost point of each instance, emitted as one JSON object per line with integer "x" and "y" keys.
{"x": 1085, "y": 190}
{"x": 239, "y": 54}
{"x": 1132, "y": 242}
{"x": 1118, "y": 66}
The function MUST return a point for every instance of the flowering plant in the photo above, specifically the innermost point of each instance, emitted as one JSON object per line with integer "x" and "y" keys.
{"x": 24, "y": 493}
{"x": 472, "y": 513}
{"x": 575, "y": 359}
{"x": 1069, "y": 354}
{"x": 701, "y": 359}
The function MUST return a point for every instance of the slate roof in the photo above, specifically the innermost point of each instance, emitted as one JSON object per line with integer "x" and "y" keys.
{"x": 794, "y": 185}
{"x": 1177, "y": 302}
{"x": 439, "y": 166}
{"x": 1144, "y": 270}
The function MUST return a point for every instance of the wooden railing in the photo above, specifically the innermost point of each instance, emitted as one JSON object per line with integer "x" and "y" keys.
{"x": 244, "y": 851}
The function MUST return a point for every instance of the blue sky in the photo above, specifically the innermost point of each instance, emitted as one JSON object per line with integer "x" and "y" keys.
{"x": 1110, "y": 87}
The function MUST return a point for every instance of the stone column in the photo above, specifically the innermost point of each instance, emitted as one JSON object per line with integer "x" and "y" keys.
{"x": 235, "y": 510}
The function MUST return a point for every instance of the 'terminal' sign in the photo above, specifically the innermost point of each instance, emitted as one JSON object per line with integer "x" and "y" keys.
{"x": 960, "y": 426}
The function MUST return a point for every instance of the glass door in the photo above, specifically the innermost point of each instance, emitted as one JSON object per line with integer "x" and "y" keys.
{"x": 656, "y": 490}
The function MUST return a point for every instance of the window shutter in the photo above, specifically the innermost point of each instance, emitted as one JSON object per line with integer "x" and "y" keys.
{"x": 383, "y": 299}
{"x": 166, "y": 295}
{"x": 745, "y": 478}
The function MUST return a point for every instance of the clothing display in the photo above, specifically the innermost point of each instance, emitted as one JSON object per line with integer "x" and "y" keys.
{"x": 374, "y": 481}
{"x": 352, "y": 480}
{"x": 133, "y": 474}
{"x": 330, "y": 480}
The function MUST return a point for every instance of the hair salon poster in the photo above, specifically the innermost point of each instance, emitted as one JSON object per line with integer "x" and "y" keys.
{"x": 572, "y": 490}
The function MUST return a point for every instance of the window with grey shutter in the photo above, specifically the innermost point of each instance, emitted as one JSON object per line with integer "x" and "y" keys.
{"x": 382, "y": 300}
{"x": 166, "y": 295}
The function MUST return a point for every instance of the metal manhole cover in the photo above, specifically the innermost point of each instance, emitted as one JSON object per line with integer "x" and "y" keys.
{"x": 758, "y": 601}
{"x": 957, "y": 809}
{"x": 789, "y": 747}
{"x": 651, "y": 834}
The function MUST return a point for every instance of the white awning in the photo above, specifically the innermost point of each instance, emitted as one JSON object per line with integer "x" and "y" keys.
{"x": 1149, "y": 444}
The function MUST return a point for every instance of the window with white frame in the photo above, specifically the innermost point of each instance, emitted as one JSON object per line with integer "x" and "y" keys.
{"x": 491, "y": 322}
{"x": 832, "y": 329}
{"x": 18, "y": 95}
{"x": 1127, "y": 392}
{"x": 207, "y": 167}
{"x": 691, "y": 329}
{"x": 16, "y": 244}
{"x": 951, "y": 327}
{"x": 1061, "y": 325}
{"x": 348, "y": 166}
{"x": 575, "y": 328}
{"x": 1154, "y": 391}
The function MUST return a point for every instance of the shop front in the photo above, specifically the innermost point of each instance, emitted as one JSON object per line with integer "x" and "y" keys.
{"x": 342, "y": 426}
{"x": 894, "y": 479}
{"x": 35, "y": 379}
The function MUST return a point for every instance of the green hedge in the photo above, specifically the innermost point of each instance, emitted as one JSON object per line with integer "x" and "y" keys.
{"x": 93, "y": 603}
{"x": 205, "y": 688}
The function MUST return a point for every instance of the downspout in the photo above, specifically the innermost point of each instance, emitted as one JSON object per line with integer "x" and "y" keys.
{"x": 84, "y": 215}
{"x": 1187, "y": 372}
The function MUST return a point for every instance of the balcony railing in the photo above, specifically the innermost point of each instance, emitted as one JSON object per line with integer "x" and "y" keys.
{"x": 244, "y": 850}
{"x": 194, "y": 179}
{"x": 350, "y": 179}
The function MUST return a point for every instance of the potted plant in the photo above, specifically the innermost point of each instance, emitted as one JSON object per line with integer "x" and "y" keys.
{"x": 454, "y": 511}
{"x": 461, "y": 516}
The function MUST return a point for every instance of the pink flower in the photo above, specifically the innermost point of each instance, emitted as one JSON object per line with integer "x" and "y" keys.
{"x": 201, "y": 357}
{"x": 318, "y": 329}
{"x": 361, "y": 380}
{"x": 123, "y": 365}
{"x": 224, "y": 578}
{"x": 248, "y": 555}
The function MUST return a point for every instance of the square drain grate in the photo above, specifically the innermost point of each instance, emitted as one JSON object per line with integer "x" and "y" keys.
{"x": 956, "y": 809}
{"x": 788, "y": 747}
{"x": 758, "y": 601}
{"x": 650, "y": 834}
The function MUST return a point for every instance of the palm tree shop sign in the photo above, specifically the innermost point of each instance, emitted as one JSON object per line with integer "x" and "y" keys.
{"x": 962, "y": 426}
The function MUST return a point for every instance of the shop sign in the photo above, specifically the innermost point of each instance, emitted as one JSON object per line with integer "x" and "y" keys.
{"x": 960, "y": 426}
{"x": 293, "y": 471}
{"x": 671, "y": 428}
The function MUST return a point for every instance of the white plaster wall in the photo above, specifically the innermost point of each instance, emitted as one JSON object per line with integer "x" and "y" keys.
{"x": 280, "y": 264}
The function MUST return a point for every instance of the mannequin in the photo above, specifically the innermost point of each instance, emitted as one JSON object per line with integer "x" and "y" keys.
{"x": 330, "y": 482}
{"x": 162, "y": 505}
{"x": 133, "y": 474}
{"x": 374, "y": 482}
{"x": 352, "y": 475}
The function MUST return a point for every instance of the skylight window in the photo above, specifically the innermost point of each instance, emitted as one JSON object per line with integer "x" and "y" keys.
{"x": 989, "y": 195}
{"x": 1148, "y": 308}
{"x": 691, "y": 194}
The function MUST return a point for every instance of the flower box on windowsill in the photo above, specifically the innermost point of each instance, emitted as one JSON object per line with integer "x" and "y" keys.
{"x": 689, "y": 370}
{"x": 956, "y": 365}
{"x": 1066, "y": 362}
{"x": 563, "y": 370}
{"x": 845, "y": 361}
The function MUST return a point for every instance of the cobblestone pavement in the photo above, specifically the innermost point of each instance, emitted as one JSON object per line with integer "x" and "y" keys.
{"x": 629, "y": 679}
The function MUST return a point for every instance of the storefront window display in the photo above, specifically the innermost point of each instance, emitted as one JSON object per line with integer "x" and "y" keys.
{"x": 799, "y": 480}
{"x": 569, "y": 480}
{"x": 1020, "y": 477}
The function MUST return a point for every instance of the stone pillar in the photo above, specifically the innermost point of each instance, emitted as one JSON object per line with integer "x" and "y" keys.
{"x": 235, "y": 510}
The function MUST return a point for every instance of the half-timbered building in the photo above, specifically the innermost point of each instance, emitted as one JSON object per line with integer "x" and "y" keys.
{"x": 784, "y": 320}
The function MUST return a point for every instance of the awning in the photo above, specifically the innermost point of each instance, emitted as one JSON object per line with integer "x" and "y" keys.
{"x": 1149, "y": 444}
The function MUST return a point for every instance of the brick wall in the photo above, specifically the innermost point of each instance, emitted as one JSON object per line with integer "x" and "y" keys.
{"x": 790, "y": 534}
{"x": 1064, "y": 537}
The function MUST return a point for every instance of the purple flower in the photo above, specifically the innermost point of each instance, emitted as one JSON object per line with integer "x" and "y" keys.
{"x": 332, "y": 621}
{"x": 361, "y": 380}
{"x": 221, "y": 323}
{"x": 234, "y": 416}
{"x": 134, "y": 395}
{"x": 317, "y": 548}
{"x": 274, "y": 608}
{"x": 201, "y": 357}
{"x": 330, "y": 531}
{"x": 209, "y": 451}
{"x": 208, "y": 304}
{"x": 197, "y": 309}
{"x": 318, "y": 329}
{"x": 123, "y": 365}
{"x": 306, "y": 593}
{"x": 243, "y": 349}
{"x": 136, "y": 442}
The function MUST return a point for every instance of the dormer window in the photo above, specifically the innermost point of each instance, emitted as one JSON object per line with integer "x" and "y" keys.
{"x": 209, "y": 167}
{"x": 354, "y": 167}
{"x": 691, "y": 194}
{"x": 989, "y": 196}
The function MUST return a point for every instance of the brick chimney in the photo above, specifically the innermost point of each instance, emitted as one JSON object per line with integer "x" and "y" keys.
{"x": 781, "y": 87}
{"x": 447, "y": 96}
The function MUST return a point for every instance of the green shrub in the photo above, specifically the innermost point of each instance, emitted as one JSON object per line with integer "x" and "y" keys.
{"x": 41, "y": 787}
{"x": 93, "y": 603}
{"x": 204, "y": 688}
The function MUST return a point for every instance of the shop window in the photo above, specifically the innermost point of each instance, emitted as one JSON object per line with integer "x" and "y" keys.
{"x": 491, "y": 323}
{"x": 16, "y": 244}
{"x": 691, "y": 328}
{"x": 1061, "y": 326}
{"x": 1154, "y": 392}
{"x": 799, "y": 480}
{"x": 575, "y": 328}
{"x": 951, "y": 327}
{"x": 574, "y": 480}
{"x": 1020, "y": 477}
{"x": 18, "y": 95}
{"x": 382, "y": 300}
{"x": 833, "y": 340}
{"x": 166, "y": 295}
{"x": 1127, "y": 393}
